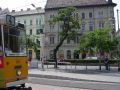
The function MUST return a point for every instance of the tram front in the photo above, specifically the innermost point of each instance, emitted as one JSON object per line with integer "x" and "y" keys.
{"x": 13, "y": 57}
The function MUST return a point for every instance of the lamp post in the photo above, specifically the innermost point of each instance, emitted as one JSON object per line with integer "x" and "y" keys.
{"x": 118, "y": 33}
{"x": 42, "y": 50}
{"x": 118, "y": 18}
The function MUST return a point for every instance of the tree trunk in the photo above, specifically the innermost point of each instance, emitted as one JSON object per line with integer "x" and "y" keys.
{"x": 57, "y": 48}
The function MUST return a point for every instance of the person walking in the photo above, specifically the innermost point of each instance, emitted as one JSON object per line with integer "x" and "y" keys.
{"x": 106, "y": 61}
{"x": 42, "y": 63}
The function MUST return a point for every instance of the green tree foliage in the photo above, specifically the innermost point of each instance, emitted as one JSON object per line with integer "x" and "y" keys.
{"x": 100, "y": 40}
{"x": 30, "y": 40}
{"x": 69, "y": 24}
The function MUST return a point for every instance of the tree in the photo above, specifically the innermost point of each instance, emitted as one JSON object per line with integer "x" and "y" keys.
{"x": 100, "y": 40}
{"x": 30, "y": 41}
{"x": 69, "y": 24}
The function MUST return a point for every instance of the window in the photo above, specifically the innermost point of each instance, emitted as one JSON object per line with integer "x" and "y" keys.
{"x": 51, "y": 28}
{"x": 90, "y": 15}
{"x": 101, "y": 24}
{"x": 38, "y": 54}
{"x": 76, "y": 54}
{"x": 83, "y": 15}
{"x": 51, "y": 54}
{"x": 39, "y": 21}
{"x": 76, "y": 15}
{"x": 30, "y": 53}
{"x": 61, "y": 26}
{"x": 68, "y": 40}
{"x": 38, "y": 42}
{"x": 51, "y": 40}
{"x": 68, "y": 54}
{"x": 111, "y": 13}
{"x": 90, "y": 26}
{"x": 31, "y": 23}
{"x": 100, "y": 13}
{"x": 76, "y": 39}
{"x": 39, "y": 31}
{"x": 36, "y": 21}
{"x": 51, "y": 16}
{"x": 83, "y": 26}
{"x": 30, "y": 31}
{"x": 25, "y": 22}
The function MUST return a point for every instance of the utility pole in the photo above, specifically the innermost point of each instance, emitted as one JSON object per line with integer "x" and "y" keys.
{"x": 42, "y": 57}
{"x": 118, "y": 39}
{"x": 118, "y": 32}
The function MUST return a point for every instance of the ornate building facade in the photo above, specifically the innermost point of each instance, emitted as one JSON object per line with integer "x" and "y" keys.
{"x": 92, "y": 13}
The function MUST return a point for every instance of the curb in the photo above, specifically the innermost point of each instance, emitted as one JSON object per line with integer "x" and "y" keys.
{"x": 66, "y": 78}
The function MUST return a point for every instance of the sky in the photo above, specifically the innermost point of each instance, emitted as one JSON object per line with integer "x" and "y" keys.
{"x": 24, "y": 4}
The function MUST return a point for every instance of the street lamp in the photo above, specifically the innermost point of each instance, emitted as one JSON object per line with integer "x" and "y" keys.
{"x": 42, "y": 55}
{"x": 118, "y": 18}
{"x": 118, "y": 32}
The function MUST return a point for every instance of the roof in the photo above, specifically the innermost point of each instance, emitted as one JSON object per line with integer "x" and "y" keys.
{"x": 30, "y": 12}
{"x": 65, "y": 3}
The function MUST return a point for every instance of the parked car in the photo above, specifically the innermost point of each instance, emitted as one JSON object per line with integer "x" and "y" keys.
{"x": 93, "y": 58}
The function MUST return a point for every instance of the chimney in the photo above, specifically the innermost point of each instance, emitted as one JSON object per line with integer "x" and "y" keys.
{"x": 21, "y": 9}
{"x": 109, "y": 1}
{"x": 28, "y": 9}
{"x": 13, "y": 11}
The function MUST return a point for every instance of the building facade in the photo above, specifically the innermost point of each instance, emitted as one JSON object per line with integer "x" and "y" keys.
{"x": 93, "y": 14}
{"x": 34, "y": 25}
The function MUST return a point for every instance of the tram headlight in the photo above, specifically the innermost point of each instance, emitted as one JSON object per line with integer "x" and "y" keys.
{"x": 18, "y": 72}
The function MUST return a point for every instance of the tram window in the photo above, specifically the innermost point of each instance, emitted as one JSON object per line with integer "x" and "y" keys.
{"x": 14, "y": 41}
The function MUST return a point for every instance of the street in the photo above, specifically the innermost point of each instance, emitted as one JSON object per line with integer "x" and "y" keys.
{"x": 48, "y": 87}
{"x": 57, "y": 84}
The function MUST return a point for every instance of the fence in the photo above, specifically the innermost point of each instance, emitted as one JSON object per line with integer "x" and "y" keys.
{"x": 86, "y": 63}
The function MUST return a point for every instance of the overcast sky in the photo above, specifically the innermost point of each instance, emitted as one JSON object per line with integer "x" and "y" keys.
{"x": 23, "y": 4}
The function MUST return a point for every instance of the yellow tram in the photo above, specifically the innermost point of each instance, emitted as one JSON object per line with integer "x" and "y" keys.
{"x": 13, "y": 57}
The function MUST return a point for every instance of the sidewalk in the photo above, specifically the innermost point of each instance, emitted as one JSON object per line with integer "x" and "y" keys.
{"x": 106, "y": 76}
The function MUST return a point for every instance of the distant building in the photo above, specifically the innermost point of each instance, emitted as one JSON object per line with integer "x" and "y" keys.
{"x": 34, "y": 24}
{"x": 93, "y": 13}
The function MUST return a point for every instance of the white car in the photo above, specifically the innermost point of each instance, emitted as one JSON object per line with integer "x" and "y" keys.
{"x": 93, "y": 58}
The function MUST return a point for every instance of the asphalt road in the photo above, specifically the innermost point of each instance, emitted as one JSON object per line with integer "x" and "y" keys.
{"x": 70, "y": 84}
{"x": 49, "y": 87}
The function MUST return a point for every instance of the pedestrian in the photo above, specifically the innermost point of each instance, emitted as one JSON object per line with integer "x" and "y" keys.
{"x": 42, "y": 63}
{"x": 83, "y": 55}
{"x": 30, "y": 58}
{"x": 106, "y": 61}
